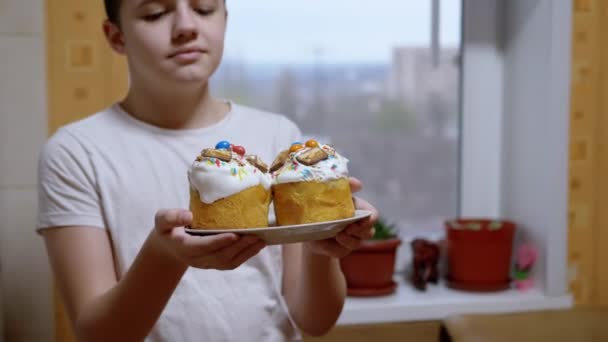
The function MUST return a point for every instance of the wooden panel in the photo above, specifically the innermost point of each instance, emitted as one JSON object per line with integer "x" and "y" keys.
{"x": 588, "y": 324}
{"x": 588, "y": 220}
{"x": 84, "y": 75}
{"x": 413, "y": 331}
{"x": 601, "y": 243}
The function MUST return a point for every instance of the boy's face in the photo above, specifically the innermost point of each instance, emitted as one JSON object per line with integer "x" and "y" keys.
{"x": 170, "y": 40}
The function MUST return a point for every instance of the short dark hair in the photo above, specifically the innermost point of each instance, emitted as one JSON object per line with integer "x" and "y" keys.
{"x": 112, "y": 10}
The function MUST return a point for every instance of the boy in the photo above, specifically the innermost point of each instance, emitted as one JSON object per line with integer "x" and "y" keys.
{"x": 125, "y": 267}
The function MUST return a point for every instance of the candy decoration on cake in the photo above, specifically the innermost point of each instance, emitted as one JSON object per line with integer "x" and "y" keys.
{"x": 257, "y": 162}
{"x": 312, "y": 143}
{"x": 279, "y": 161}
{"x": 222, "y": 145}
{"x": 240, "y": 150}
{"x": 296, "y": 147}
{"x": 220, "y": 154}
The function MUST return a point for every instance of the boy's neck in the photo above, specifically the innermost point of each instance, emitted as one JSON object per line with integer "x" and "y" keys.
{"x": 175, "y": 109}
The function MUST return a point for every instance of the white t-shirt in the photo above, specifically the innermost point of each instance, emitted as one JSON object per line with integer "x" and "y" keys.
{"x": 114, "y": 172}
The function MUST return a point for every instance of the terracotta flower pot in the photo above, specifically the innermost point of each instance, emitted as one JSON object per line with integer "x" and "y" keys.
{"x": 479, "y": 254}
{"x": 369, "y": 269}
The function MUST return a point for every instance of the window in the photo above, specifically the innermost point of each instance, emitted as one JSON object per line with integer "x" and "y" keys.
{"x": 378, "y": 80}
{"x": 513, "y": 68}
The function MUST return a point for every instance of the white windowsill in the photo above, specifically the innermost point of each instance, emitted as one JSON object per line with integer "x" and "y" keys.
{"x": 439, "y": 302}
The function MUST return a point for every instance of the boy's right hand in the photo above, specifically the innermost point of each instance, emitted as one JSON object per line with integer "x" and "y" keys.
{"x": 224, "y": 251}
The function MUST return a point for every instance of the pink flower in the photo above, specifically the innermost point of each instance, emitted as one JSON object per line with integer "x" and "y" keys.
{"x": 523, "y": 285}
{"x": 526, "y": 256}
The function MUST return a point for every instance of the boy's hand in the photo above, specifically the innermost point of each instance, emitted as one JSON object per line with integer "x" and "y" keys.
{"x": 351, "y": 237}
{"x": 221, "y": 252}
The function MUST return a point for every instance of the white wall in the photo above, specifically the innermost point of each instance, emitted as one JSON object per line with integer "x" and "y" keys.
{"x": 482, "y": 109}
{"x": 24, "y": 274}
{"x": 536, "y": 45}
{"x": 516, "y": 90}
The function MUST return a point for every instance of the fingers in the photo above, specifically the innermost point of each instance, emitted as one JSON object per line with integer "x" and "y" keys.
{"x": 230, "y": 256}
{"x": 348, "y": 241}
{"x": 361, "y": 229}
{"x": 167, "y": 219}
{"x": 246, "y": 254}
{"x": 229, "y": 252}
{"x": 201, "y": 245}
{"x": 363, "y": 204}
{"x": 355, "y": 184}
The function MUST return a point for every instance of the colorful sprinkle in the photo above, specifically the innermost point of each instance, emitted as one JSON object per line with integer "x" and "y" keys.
{"x": 334, "y": 167}
{"x": 242, "y": 173}
{"x": 233, "y": 171}
{"x": 222, "y": 145}
{"x": 217, "y": 162}
{"x": 306, "y": 174}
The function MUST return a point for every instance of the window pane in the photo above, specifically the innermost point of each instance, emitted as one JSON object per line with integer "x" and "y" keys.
{"x": 360, "y": 75}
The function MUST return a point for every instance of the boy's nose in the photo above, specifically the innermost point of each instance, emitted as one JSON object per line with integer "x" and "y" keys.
{"x": 185, "y": 28}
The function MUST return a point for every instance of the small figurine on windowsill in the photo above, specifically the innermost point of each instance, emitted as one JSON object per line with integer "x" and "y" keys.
{"x": 525, "y": 259}
{"x": 425, "y": 255}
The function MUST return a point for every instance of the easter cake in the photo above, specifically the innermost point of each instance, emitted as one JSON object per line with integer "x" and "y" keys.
{"x": 310, "y": 184}
{"x": 229, "y": 189}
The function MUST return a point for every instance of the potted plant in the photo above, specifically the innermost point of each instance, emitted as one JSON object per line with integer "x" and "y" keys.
{"x": 369, "y": 269}
{"x": 479, "y": 254}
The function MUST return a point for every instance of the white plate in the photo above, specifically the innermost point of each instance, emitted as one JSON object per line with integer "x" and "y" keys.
{"x": 293, "y": 233}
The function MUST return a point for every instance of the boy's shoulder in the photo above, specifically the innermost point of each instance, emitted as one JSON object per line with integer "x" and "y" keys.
{"x": 251, "y": 113}
{"x": 95, "y": 127}
{"x": 98, "y": 123}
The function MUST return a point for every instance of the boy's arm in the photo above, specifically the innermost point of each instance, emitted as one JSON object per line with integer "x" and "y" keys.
{"x": 313, "y": 284}
{"x": 314, "y": 289}
{"x": 99, "y": 305}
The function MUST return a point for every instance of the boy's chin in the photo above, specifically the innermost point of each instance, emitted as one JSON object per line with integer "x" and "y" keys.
{"x": 190, "y": 78}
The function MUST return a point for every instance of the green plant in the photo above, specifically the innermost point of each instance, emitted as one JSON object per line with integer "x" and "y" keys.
{"x": 384, "y": 230}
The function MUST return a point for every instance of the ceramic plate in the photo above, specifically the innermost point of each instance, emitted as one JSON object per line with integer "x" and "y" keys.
{"x": 294, "y": 233}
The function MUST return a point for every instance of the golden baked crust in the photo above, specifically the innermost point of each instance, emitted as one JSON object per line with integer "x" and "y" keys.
{"x": 246, "y": 209}
{"x": 308, "y": 202}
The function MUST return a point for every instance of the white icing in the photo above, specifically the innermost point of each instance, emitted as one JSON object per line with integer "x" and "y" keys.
{"x": 214, "y": 182}
{"x": 334, "y": 167}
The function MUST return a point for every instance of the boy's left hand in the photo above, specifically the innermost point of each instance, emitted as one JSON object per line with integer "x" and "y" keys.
{"x": 349, "y": 238}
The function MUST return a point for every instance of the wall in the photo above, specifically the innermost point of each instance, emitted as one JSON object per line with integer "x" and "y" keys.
{"x": 24, "y": 275}
{"x": 81, "y": 76}
{"x": 535, "y": 128}
{"x": 588, "y": 217}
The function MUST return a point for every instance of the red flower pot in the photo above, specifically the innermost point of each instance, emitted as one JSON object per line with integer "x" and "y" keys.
{"x": 479, "y": 254}
{"x": 369, "y": 269}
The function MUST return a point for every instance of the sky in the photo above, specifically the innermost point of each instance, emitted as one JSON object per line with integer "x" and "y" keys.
{"x": 333, "y": 31}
